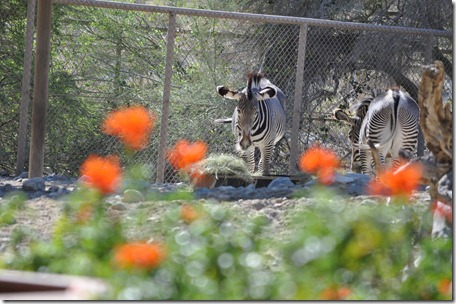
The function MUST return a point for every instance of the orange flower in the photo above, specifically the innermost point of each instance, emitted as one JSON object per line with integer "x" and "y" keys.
{"x": 319, "y": 161}
{"x": 101, "y": 173}
{"x": 139, "y": 255}
{"x": 335, "y": 293}
{"x": 400, "y": 182}
{"x": 188, "y": 213}
{"x": 132, "y": 125}
{"x": 185, "y": 154}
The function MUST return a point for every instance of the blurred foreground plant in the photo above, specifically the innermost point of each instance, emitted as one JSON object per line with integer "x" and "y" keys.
{"x": 399, "y": 183}
{"x": 319, "y": 161}
{"x": 185, "y": 156}
{"x": 203, "y": 251}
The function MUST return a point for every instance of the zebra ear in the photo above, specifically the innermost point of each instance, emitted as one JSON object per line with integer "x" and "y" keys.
{"x": 267, "y": 93}
{"x": 341, "y": 115}
{"x": 227, "y": 93}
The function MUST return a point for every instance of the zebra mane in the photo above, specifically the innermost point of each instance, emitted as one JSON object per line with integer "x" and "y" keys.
{"x": 254, "y": 81}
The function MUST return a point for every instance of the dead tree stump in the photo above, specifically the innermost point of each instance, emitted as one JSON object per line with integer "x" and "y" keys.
{"x": 436, "y": 122}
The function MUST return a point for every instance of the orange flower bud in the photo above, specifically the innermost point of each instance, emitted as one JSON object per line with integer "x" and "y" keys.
{"x": 132, "y": 125}
{"x": 139, "y": 255}
{"x": 400, "y": 182}
{"x": 101, "y": 173}
{"x": 185, "y": 154}
{"x": 188, "y": 213}
{"x": 319, "y": 161}
{"x": 335, "y": 293}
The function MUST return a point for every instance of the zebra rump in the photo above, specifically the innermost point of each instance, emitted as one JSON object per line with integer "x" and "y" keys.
{"x": 391, "y": 125}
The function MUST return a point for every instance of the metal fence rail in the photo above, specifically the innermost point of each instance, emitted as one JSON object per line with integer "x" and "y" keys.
{"x": 253, "y": 17}
{"x": 178, "y": 56}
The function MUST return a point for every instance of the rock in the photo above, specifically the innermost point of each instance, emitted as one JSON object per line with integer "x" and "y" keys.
{"x": 351, "y": 183}
{"x": 356, "y": 189}
{"x": 258, "y": 205}
{"x": 358, "y": 177}
{"x": 272, "y": 213}
{"x": 132, "y": 196}
{"x": 222, "y": 197}
{"x": 4, "y": 173}
{"x": 7, "y": 187}
{"x": 119, "y": 206}
{"x": 33, "y": 184}
{"x": 54, "y": 189}
{"x": 22, "y": 175}
{"x": 342, "y": 179}
{"x": 201, "y": 193}
{"x": 226, "y": 189}
{"x": 280, "y": 183}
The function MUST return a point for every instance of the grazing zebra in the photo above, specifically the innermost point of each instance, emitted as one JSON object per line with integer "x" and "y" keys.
{"x": 390, "y": 124}
{"x": 259, "y": 119}
{"x": 355, "y": 122}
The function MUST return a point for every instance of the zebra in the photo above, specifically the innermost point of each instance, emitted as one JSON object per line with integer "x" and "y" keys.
{"x": 355, "y": 122}
{"x": 259, "y": 119}
{"x": 391, "y": 124}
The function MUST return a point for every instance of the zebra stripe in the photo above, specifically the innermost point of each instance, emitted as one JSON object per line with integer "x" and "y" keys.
{"x": 391, "y": 124}
{"x": 259, "y": 119}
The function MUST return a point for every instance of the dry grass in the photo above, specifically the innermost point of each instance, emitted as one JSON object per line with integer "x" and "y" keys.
{"x": 225, "y": 164}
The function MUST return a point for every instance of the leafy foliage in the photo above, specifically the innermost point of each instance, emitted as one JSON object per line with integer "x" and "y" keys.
{"x": 356, "y": 252}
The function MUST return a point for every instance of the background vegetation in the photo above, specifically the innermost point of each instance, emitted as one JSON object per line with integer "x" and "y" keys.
{"x": 103, "y": 58}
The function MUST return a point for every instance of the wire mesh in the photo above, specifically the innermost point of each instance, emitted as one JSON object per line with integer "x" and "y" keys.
{"x": 103, "y": 59}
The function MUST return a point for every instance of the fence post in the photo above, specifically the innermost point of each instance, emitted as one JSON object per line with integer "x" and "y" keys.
{"x": 294, "y": 145}
{"x": 166, "y": 94}
{"x": 40, "y": 91}
{"x": 25, "y": 91}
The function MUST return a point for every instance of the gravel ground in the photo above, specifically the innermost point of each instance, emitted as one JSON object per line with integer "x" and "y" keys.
{"x": 45, "y": 199}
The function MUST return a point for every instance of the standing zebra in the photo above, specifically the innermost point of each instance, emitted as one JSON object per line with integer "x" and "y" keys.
{"x": 258, "y": 120}
{"x": 391, "y": 124}
{"x": 355, "y": 122}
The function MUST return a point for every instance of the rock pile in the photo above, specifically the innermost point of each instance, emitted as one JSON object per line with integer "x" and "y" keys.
{"x": 55, "y": 186}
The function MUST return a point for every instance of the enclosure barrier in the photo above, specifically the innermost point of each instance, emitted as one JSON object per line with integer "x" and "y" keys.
{"x": 310, "y": 95}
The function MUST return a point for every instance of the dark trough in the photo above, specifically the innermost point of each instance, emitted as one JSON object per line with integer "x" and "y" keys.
{"x": 258, "y": 181}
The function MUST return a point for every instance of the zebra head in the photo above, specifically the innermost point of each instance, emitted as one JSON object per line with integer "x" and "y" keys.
{"x": 246, "y": 113}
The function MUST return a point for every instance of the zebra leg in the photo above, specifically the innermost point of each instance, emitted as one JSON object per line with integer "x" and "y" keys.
{"x": 355, "y": 160}
{"x": 266, "y": 153}
{"x": 251, "y": 158}
{"x": 392, "y": 162}
{"x": 366, "y": 161}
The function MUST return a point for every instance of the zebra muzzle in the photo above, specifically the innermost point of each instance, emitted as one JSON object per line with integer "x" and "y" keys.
{"x": 245, "y": 142}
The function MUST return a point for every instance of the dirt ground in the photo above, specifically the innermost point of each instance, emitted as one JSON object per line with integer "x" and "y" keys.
{"x": 36, "y": 220}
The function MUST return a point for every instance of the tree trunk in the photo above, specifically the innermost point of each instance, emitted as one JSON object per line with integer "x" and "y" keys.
{"x": 436, "y": 121}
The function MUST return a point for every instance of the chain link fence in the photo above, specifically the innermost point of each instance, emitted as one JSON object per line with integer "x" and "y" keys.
{"x": 103, "y": 57}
